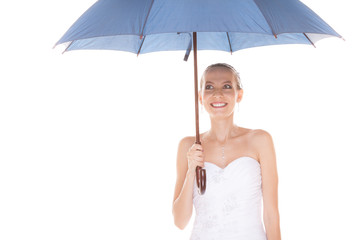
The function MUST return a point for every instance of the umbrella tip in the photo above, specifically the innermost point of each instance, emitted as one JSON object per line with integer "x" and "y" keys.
{"x": 186, "y": 57}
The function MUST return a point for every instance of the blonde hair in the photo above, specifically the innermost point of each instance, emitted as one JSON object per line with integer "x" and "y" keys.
{"x": 224, "y": 65}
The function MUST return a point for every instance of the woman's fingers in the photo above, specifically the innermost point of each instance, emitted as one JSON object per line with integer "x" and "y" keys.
{"x": 195, "y": 156}
{"x": 195, "y": 152}
{"x": 198, "y": 147}
{"x": 200, "y": 163}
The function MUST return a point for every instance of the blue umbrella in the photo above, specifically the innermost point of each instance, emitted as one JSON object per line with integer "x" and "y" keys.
{"x": 144, "y": 26}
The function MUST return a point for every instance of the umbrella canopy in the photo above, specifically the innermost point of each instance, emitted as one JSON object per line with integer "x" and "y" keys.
{"x": 143, "y": 26}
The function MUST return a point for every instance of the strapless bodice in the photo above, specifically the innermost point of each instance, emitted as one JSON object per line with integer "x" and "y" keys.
{"x": 231, "y": 207}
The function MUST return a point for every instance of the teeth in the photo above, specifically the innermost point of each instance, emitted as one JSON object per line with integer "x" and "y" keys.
{"x": 218, "y": 104}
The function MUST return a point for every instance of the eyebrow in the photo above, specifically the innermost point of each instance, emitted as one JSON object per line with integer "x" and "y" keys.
{"x": 222, "y": 82}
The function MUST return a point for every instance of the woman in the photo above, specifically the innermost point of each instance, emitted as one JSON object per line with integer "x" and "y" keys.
{"x": 240, "y": 167}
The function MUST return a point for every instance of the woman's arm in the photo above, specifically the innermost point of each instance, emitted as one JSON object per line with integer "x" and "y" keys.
{"x": 266, "y": 155}
{"x": 182, "y": 203}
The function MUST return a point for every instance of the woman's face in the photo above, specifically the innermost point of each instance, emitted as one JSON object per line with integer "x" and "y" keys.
{"x": 219, "y": 92}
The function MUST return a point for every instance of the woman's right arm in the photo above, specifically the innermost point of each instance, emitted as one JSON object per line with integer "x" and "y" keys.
{"x": 188, "y": 157}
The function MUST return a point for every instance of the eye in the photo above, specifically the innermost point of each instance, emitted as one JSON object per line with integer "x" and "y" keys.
{"x": 227, "y": 86}
{"x": 209, "y": 86}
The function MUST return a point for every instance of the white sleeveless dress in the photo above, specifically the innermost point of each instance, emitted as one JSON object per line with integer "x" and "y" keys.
{"x": 231, "y": 207}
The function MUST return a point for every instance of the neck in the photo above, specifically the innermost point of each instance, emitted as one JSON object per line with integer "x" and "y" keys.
{"x": 222, "y": 129}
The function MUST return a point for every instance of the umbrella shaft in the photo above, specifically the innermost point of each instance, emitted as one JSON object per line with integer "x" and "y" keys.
{"x": 196, "y": 89}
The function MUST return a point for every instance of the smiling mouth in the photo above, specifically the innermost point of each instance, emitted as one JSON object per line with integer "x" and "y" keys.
{"x": 218, "y": 105}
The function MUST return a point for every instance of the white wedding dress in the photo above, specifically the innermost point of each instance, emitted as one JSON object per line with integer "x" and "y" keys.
{"x": 230, "y": 209}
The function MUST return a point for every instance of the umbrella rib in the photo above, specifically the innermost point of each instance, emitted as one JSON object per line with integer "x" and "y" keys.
{"x": 309, "y": 40}
{"x": 142, "y": 42}
{"x": 68, "y": 47}
{"x": 272, "y": 30}
{"x": 188, "y": 50}
{"x": 227, "y": 34}
{"x": 142, "y": 31}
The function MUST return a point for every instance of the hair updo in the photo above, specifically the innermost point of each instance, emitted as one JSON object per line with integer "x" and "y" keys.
{"x": 224, "y": 65}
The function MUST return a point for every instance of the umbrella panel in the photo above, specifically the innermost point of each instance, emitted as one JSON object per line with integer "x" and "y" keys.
{"x": 229, "y": 42}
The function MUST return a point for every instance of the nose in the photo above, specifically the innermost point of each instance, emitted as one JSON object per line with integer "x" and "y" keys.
{"x": 218, "y": 93}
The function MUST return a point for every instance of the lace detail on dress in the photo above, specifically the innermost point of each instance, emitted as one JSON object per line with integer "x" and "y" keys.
{"x": 218, "y": 177}
{"x": 230, "y": 204}
{"x": 230, "y": 209}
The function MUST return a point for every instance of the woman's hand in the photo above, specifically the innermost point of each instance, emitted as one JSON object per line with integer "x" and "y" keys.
{"x": 195, "y": 157}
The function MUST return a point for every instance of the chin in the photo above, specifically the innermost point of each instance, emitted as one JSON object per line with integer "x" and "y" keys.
{"x": 220, "y": 115}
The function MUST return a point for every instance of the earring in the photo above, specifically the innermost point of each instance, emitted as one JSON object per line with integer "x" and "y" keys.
{"x": 238, "y": 108}
{"x": 202, "y": 108}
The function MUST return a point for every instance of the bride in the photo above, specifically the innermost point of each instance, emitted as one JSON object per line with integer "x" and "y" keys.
{"x": 240, "y": 163}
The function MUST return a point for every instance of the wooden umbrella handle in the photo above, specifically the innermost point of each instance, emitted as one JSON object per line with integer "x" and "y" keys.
{"x": 201, "y": 179}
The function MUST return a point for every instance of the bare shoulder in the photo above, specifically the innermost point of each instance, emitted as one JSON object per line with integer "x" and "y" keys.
{"x": 260, "y": 135}
{"x": 263, "y": 143}
{"x": 186, "y": 142}
{"x": 255, "y": 135}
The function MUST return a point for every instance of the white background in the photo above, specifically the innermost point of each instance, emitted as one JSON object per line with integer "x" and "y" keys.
{"x": 88, "y": 139}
